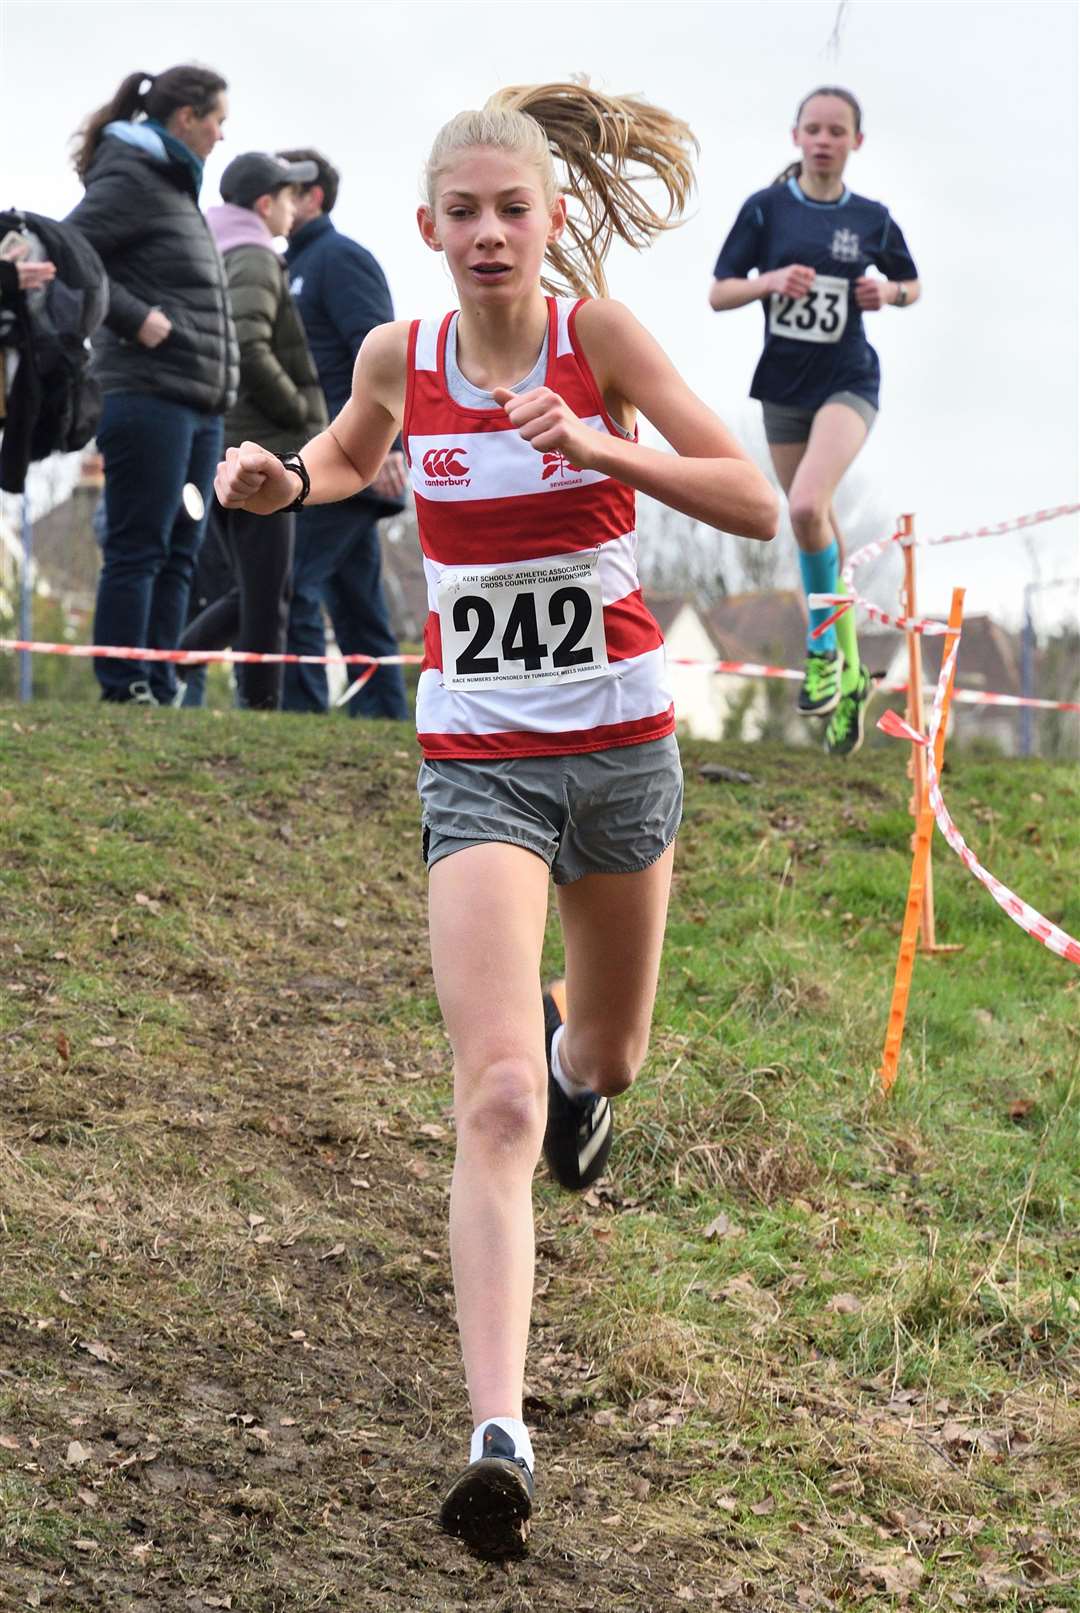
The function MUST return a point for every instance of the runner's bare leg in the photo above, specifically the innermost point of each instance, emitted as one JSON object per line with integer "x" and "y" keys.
{"x": 488, "y": 907}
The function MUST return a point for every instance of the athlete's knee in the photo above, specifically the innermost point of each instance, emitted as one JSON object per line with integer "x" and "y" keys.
{"x": 500, "y": 1108}
{"x": 610, "y": 1069}
{"x": 809, "y": 513}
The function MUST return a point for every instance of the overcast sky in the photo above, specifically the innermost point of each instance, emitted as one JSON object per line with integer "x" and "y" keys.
{"x": 971, "y": 123}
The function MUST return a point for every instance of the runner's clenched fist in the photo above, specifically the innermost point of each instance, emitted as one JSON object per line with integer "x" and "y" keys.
{"x": 547, "y": 423}
{"x": 252, "y": 478}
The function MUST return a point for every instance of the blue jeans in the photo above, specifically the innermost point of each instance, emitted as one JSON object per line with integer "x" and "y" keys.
{"x": 151, "y": 447}
{"x": 337, "y": 560}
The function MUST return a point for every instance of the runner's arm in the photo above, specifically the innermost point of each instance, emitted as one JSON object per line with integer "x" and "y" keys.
{"x": 735, "y": 293}
{"x": 343, "y": 459}
{"x": 794, "y": 280}
{"x": 710, "y": 476}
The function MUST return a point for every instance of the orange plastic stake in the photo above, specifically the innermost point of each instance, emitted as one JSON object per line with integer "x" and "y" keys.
{"x": 924, "y": 828}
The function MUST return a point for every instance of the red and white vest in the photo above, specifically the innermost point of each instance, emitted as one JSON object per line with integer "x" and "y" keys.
{"x": 537, "y": 642}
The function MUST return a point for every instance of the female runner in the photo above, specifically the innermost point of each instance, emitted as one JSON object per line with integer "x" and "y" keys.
{"x": 811, "y": 241}
{"x": 543, "y": 714}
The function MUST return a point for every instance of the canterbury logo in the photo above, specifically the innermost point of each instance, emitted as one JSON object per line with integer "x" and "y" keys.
{"x": 558, "y": 465}
{"x": 445, "y": 464}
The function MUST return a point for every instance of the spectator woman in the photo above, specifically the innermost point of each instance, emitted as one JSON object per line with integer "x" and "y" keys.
{"x": 166, "y": 356}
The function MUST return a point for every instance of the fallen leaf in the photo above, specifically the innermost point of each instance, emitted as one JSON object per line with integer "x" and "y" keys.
{"x": 99, "y": 1351}
{"x": 256, "y": 1221}
{"x": 898, "y": 1575}
{"x": 639, "y": 1489}
{"x": 63, "y": 1046}
{"x": 430, "y": 1129}
{"x": 88, "y": 1498}
{"x": 332, "y": 1254}
{"x": 722, "y": 1227}
{"x": 956, "y": 1433}
{"x": 765, "y": 1507}
{"x": 418, "y": 1168}
{"x": 995, "y": 1577}
{"x": 85, "y": 1545}
{"x": 77, "y": 1454}
{"x": 844, "y": 1305}
{"x": 8, "y": 1442}
{"x": 1020, "y": 1108}
{"x": 103, "y": 1041}
{"x": 726, "y": 1503}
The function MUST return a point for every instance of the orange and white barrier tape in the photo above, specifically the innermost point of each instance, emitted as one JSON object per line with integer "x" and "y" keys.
{"x": 923, "y": 624}
{"x": 372, "y": 663}
{"x": 1021, "y": 913}
{"x": 202, "y": 657}
{"x": 971, "y": 697}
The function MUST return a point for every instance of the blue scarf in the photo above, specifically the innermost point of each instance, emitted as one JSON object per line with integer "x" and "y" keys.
{"x": 176, "y": 148}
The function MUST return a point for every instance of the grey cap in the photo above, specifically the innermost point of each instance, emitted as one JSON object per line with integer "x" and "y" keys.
{"x": 257, "y": 173}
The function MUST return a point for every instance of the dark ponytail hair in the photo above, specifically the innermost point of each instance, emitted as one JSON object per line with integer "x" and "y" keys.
{"x": 794, "y": 169}
{"x": 156, "y": 96}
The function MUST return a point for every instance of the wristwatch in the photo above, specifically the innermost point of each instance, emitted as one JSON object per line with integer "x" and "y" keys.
{"x": 900, "y": 300}
{"x": 294, "y": 462}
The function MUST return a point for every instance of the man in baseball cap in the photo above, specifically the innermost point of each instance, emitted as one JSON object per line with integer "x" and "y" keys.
{"x": 257, "y": 173}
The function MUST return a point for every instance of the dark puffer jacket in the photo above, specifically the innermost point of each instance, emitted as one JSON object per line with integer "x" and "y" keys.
{"x": 141, "y": 213}
{"x": 281, "y": 404}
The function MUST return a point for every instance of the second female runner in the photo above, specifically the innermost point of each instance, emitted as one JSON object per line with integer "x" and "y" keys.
{"x": 811, "y": 242}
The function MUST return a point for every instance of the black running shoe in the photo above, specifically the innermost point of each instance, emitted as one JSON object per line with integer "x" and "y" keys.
{"x": 844, "y": 733}
{"x": 820, "y": 691}
{"x": 579, "y": 1132}
{"x": 488, "y": 1506}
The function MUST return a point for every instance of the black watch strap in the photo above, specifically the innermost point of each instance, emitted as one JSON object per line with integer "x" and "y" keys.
{"x": 294, "y": 462}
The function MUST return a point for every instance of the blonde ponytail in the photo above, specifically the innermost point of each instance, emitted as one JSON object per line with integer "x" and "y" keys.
{"x": 602, "y": 142}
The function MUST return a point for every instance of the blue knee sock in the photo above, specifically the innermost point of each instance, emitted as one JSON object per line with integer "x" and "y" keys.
{"x": 820, "y": 575}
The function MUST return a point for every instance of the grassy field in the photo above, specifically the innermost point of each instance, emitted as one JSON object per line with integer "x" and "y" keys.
{"x": 800, "y": 1349}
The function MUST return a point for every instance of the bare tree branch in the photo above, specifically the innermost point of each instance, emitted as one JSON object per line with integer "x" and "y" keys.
{"x": 832, "y": 44}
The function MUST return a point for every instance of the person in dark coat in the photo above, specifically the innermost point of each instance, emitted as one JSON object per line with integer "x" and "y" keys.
{"x": 166, "y": 357}
{"x": 342, "y": 294}
{"x": 280, "y": 405}
{"x": 54, "y": 295}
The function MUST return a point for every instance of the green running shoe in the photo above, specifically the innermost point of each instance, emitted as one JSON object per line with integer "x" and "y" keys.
{"x": 820, "y": 692}
{"x": 844, "y": 734}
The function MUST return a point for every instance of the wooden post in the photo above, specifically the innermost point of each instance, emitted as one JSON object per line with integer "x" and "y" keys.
{"x": 916, "y": 716}
{"x": 905, "y": 963}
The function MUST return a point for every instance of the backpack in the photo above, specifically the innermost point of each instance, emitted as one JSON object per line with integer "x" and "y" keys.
{"x": 55, "y": 402}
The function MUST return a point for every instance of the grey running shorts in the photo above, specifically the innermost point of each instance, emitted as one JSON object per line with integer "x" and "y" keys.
{"x": 785, "y": 422}
{"x": 601, "y": 812}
